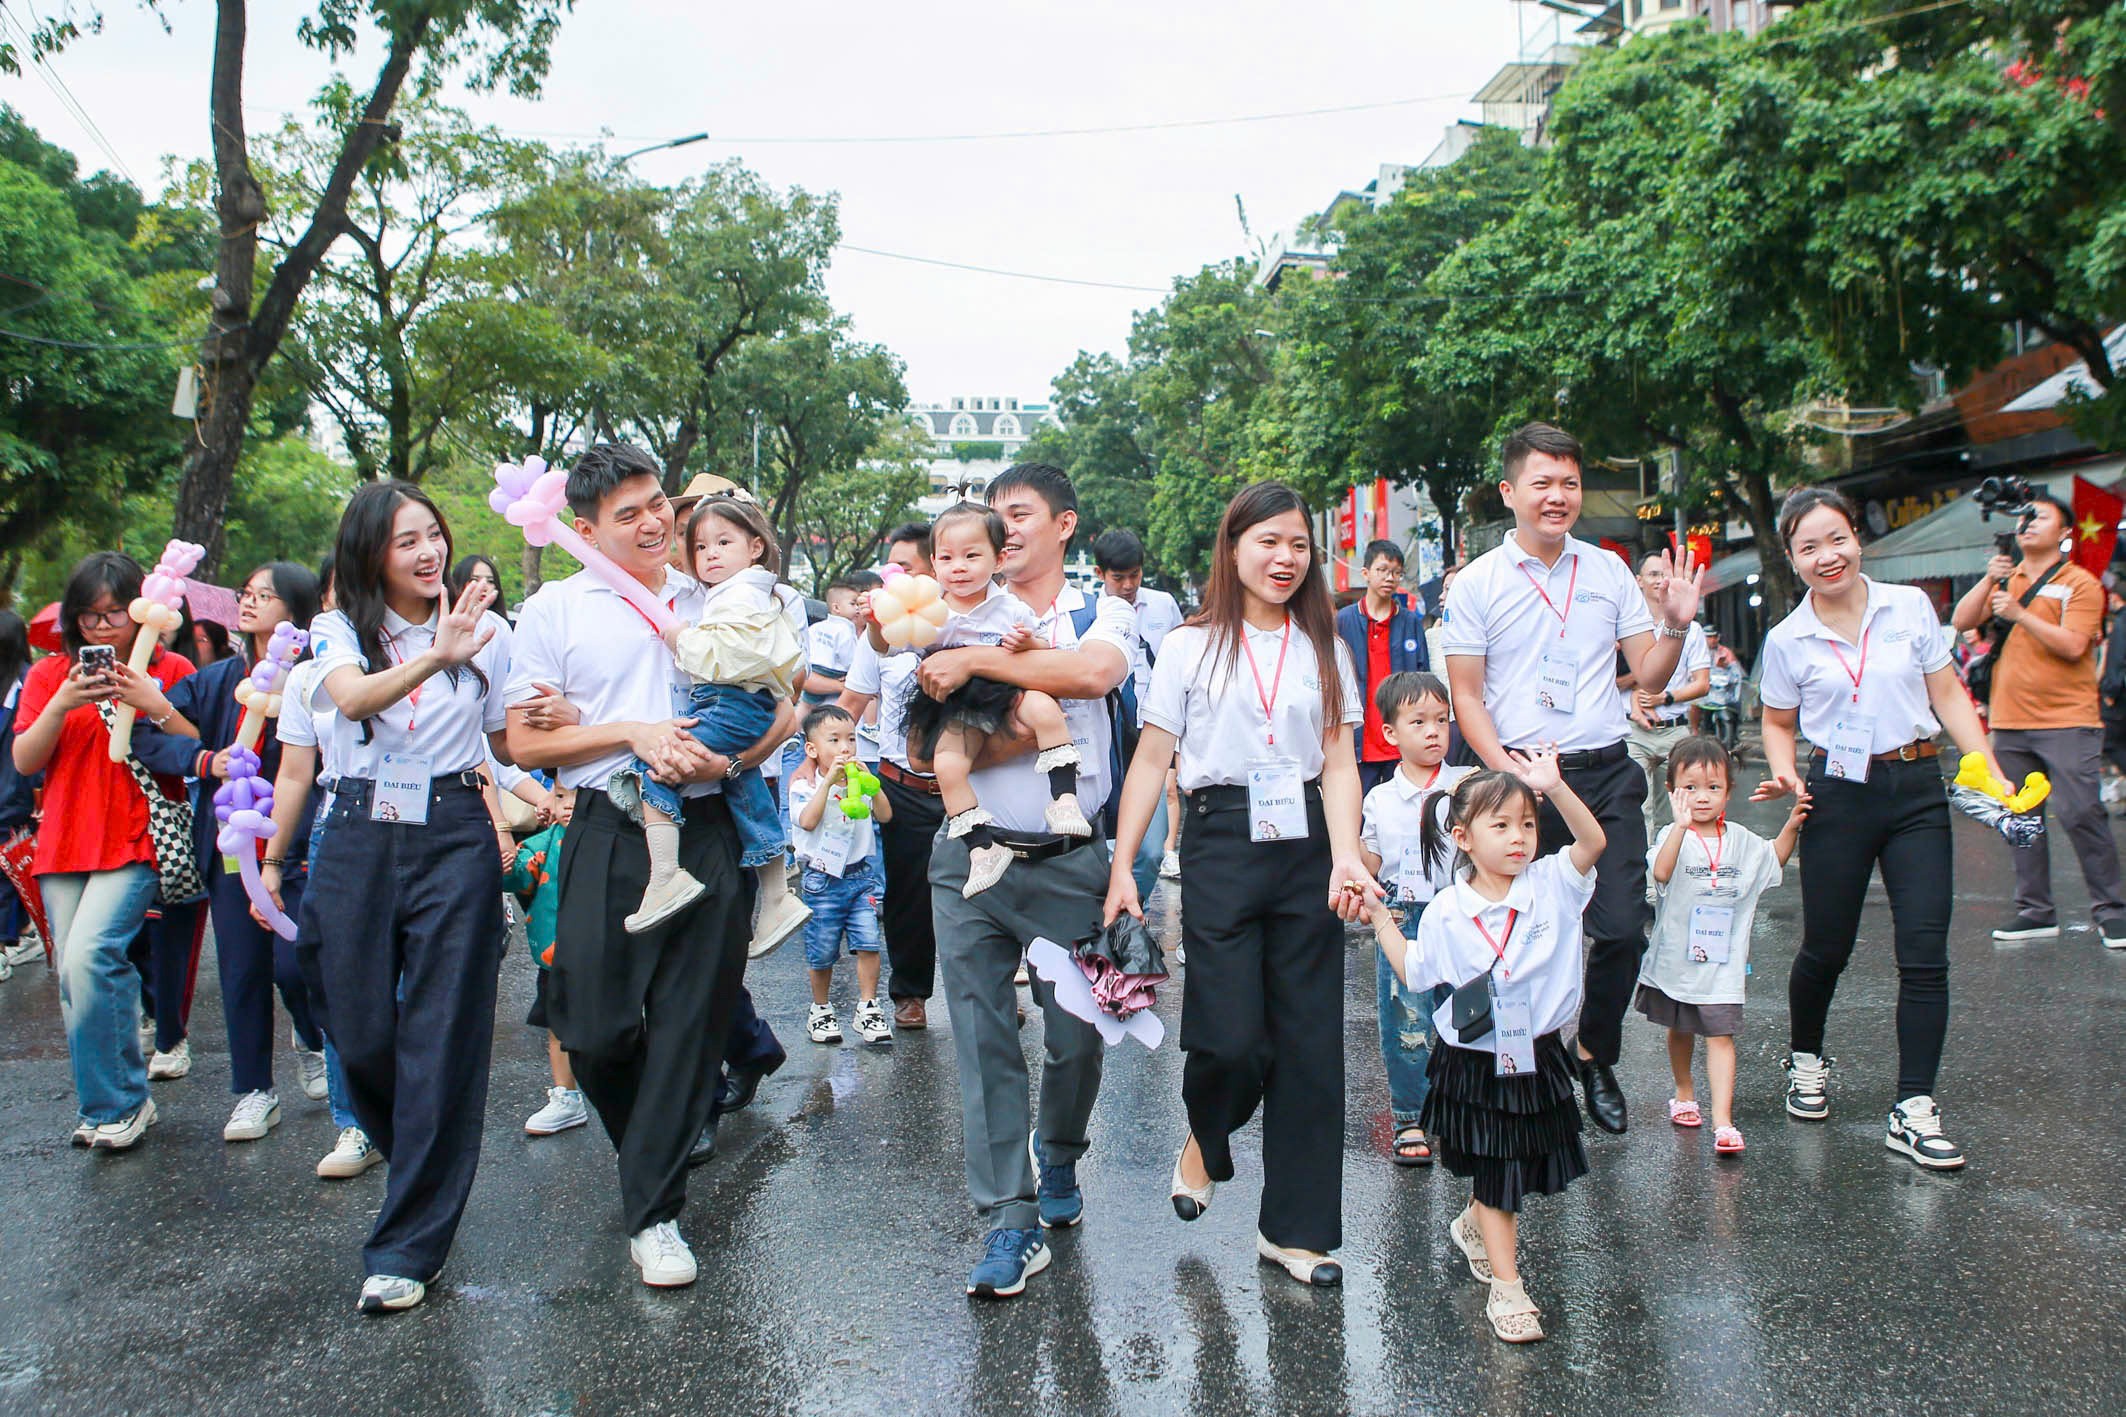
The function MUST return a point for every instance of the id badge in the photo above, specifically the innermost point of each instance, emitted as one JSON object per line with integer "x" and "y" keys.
{"x": 1711, "y": 928}
{"x": 1277, "y": 803}
{"x": 1410, "y": 873}
{"x": 1555, "y": 676}
{"x": 403, "y": 782}
{"x": 1851, "y": 748}
{"x": 1513, "y": 1036}
{"x": 830, "y": 853}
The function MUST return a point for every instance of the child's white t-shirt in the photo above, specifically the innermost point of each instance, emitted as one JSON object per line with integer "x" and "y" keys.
{"x": 1390, "y": 824}
{"x": 839, "y": 842}
{"x": 987, "y": 623}
{"x": 1748, "y": 868}
{"x": 1542, "y": 952}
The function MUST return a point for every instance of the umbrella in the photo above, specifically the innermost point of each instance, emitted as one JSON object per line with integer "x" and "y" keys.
{"x": 44, "y": 630}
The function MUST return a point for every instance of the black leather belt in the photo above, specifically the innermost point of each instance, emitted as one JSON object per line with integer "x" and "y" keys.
{"x": 1588, "y": 757}
{"x": 1040, "y": 846}
{"x": 914, "y": 781}
{"x": 1227, "y": 797}
{"x": 469, "y": 780}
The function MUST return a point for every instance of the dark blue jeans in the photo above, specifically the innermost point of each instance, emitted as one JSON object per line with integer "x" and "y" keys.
{"x": 1406, "y": 1032}
{"x": 253, "y": 962}
{"x": 727, "y": 721}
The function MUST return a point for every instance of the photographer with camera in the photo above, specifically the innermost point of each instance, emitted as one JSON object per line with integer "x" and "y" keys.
{"x": 2048, "y": 616}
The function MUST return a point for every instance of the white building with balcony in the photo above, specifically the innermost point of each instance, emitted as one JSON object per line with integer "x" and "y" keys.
{"x": 974, "y": 439}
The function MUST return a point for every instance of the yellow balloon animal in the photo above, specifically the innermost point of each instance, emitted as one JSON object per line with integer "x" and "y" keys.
{"x": 1973, "y": 773}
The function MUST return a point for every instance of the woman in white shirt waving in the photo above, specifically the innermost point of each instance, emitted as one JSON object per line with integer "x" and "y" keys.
{"x": 1863, "y": 670}
{"x": 402, "y": 930}
{"x": 1258, "y": 696}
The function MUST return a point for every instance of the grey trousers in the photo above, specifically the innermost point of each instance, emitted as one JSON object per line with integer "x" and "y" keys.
{"x": 1649, "y": 748}
{"x": 2073, "y": 759}
{"x": 979, "y": 943}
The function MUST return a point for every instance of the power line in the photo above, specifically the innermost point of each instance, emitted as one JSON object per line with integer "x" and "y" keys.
{"x": 998, "y": 271}
{"x": 50, "y": 75}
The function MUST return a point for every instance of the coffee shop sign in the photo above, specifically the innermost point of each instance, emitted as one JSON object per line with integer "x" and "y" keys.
{"x": 1893, "y": 514}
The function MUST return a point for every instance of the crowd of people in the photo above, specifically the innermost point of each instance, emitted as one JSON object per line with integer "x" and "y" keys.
{"x": 1474, "y": 781}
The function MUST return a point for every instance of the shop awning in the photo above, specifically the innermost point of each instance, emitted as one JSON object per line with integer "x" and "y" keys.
{"x": 1950, "y": 541}
{"x": 2073, "y": 381}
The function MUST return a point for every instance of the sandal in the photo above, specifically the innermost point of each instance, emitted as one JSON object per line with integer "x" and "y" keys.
{"x": 1512, "y": 1313}
{"x": 1470, "y": 1241}
{"x": 1684, "y": 1114}
{"x": 1411, "y": 1147}
{"x": 1727, "y": 1140}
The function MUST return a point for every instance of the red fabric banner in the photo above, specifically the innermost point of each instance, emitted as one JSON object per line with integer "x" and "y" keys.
{"x": 2096, "y": 526}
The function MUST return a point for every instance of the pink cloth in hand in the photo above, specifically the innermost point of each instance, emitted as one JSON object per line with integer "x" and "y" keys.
{"x": 1117, "y": 993}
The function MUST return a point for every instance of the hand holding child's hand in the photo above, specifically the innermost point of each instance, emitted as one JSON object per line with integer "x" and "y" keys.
{"x": 1802, "y": 802}
{"x": 1538, "y": 767}
{"x": 1775, "y": 787}
{"x": 1017, "y": 639}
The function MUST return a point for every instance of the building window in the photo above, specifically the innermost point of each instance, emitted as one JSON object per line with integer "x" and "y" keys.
{"x": 1006, "y": 426}
{"x": 1671, "y": 4}
{"x": 963, "y": 426}
{"x": 959, "y": 403}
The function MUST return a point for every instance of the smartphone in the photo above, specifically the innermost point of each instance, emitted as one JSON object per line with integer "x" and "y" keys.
{"x": 97, "y": 661}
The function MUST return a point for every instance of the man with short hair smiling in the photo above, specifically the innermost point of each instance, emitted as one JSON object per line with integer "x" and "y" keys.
{"x": 1056, "y": 889}
{"x": 643, "y": 1017}
{"x": 1532, "y": 632}
{"x": 1385, "y": 637}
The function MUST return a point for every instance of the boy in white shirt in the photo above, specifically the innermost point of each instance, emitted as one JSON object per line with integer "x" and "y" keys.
{"x": 840, "y": 880}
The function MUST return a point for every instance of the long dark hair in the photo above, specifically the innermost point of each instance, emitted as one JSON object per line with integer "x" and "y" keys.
{"x": 358, "y": 566}
{"x": 14, "y": 651}
{"x": 461, "y": 574}
{"x": 93, "y": 574}
{"x": 1474, "y": 796}
{"x": 1224, "y": 600}
{"x": 296, "y": 585}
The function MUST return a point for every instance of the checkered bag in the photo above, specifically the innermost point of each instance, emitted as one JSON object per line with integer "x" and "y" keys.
{"x": 170, "y": 829}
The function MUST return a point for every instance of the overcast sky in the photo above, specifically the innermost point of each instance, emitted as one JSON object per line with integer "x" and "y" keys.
{"x": 1133, "y": 209}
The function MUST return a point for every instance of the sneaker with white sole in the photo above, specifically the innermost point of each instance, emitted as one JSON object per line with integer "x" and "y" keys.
{"x": 166, "y": 1067}
{"x": 122, "y": 1134}
{"x": 2023, "y": 928}
{"x": 1065, "y": 817}
{"x": 1915, "y": 1131}
{"x": 350, "y": 1156}
{"x": 821, "y": 1026}
{"x": 84, "y": 1133}
{"x": 30, "y": 947}
{"x": 388, "y": 1294}
{"x": 7, "y": 971}
{"x": 870, "y": 1024}
{"x": 661, "y": 903}
{"x": 147, "y": 1034}
{"x": 256, "y": 1114}
{"x": 1808, "y": 1079}
{"x": 564, "y": 1108}
{"x": 1170, "y": 866}
{"x": 310, "y": 1070}
{"x": 2113, "y": 933}
{"x": 985, "y": 867}
{"x": 777, "y": 923}
{"x": 662, "y": 1256}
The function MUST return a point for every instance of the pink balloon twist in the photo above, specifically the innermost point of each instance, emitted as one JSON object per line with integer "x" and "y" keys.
{"x": 532, "y": 497}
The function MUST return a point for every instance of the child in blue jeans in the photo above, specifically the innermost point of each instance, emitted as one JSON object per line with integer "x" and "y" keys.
{"x": 1413, "y": 718}
{"x": 840, "y": 878}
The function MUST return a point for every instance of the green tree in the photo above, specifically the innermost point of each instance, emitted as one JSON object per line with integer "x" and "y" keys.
{"x": 1098, "y": 438}
{"x": 844, "y": 516}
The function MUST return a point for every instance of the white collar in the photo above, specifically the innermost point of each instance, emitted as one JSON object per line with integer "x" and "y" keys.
{"x": 1522, "y": 555}
{"x": 397, "y": 626}
{"x": 1812, "y": 626}
{"x": 1410, "y": 791}
{"x": 676, "y": 584}
{"x": 1520, "y": 896}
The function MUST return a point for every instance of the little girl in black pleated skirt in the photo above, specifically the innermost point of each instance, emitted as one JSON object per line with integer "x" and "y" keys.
{"x": 1506, "y": 938}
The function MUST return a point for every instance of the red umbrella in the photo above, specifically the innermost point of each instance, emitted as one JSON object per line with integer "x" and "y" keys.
{"x": 44, "y": 629}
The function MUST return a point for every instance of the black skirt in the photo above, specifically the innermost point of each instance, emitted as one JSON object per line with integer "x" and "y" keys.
{"x": 979, "y": 705}
{"x": 1511, "y": 1137}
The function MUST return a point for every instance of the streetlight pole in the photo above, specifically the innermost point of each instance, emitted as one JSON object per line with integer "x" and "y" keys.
{"x": 688, "y": 140}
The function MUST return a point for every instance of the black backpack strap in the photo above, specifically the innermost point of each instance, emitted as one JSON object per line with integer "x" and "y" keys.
{"x": 1122, "y": 722}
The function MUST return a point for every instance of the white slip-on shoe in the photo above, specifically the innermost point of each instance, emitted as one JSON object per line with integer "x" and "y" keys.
{"x": 778, "y": 922}
{"x": 659, "y": 905}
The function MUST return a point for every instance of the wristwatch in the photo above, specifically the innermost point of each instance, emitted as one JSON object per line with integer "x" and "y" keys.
{"x": 1668, "y": 698}
{"x": 737, "y": 766}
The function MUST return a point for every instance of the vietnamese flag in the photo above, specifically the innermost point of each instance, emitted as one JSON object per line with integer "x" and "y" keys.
{"x": 2096, "y": 526}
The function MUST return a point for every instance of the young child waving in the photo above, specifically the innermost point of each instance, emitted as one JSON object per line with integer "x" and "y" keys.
{"x": 1710, "y": 874}
{"x": 1506, "y": 938}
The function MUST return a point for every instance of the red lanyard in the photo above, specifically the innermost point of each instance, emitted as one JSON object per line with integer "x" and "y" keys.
{"x": 1498, "y": 947}
{"x": 1426, "y": 785}
{"x": 1269, "y": 700}
{"x": 671, "y": 604}
{"x": 1054, "y": 641}
{"x": 1850, "y": 672}
{"x": 1571, "y": 582}
{"x": 1712, "y": 856}
{"x": 413, "y": 699}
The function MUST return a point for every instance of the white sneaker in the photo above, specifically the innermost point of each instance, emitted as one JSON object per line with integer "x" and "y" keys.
{"x": 985, "y": 867}
{"x": 310, "y": 1068}
{"x": 84, "y": 1133}
{"x": 1170, "y": 866}
{"x": 564, "y": 1108}
{"x": 123, "y": 1133}
{"x": 660, "y": 905}
{"x": 662, "y": 1256}
{"x": 165, "y": 1067}
{"x": 1065, "y": 817}
{"x": 29, "y": 947}
{"x": 350, "y": 1156}
{"x": 777, "y": 923}
{"x": 1915, "y": 1131}
{"x": 387, "y": 1294}
{"x": 147, "y": 1034}
{"x": 256, "y": 1114}
{"x": 870, "y": 1023}
{"x": 7, "y": 971}
{"x": 821, "y": 1025}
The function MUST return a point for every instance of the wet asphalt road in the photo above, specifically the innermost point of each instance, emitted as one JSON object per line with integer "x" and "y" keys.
{"x": 1817, "y": 1274}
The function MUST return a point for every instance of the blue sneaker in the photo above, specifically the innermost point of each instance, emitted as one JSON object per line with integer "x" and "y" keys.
{"x": 1009, "y": 1258}
{"x": 1062, "y": 1203}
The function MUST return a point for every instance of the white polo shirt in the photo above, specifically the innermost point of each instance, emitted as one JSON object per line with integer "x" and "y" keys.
{"x": 1391, "y": 826}
{"x": 1158, "y": 615}
{"x": 998, "y": 611}
{"x": 448, "y": 717}
{"x": 1497, "y": 608}
{"x": 862, "y": 833}
{"x": 1016, "y": 793}
{"x": 1806, "y": 665}
{"x": 582, "y": 637}
{"x": 1696, "y": 655}
{"x": 1212, "y": 702}
{"x": 888, "y": 679}
{"x": 1542, "y": 954}
{"x": 830, "y": 647}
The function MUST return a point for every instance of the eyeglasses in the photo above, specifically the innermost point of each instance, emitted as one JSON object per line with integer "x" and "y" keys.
{"x": 248, "y": 596}
{"x": 104, "y": 619}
